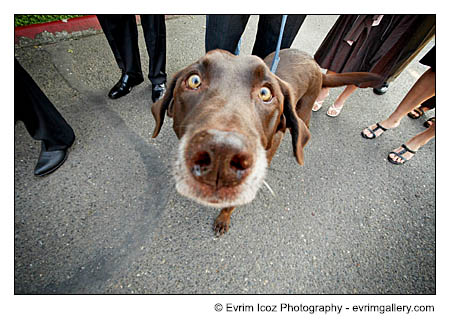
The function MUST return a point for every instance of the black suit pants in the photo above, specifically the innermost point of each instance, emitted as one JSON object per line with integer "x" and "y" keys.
{"x": 39, "y": 115}
{"x": 224, "y": 32}
{"x": 122, "y": 35}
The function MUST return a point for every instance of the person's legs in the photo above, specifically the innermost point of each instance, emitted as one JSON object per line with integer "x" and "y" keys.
{"x": 324, "y": 92}
{"x": 338, "y": 104}
{"x": 418, "y": 112}
{"x": 224, "y": 31}
{"x": 423, "y": 89}
{"x": 424, "y": 107}
{"x": 269, "y": 30}
{"x": 124, "y": 31}
{"x": 401, "y": 154}
{"x": 104, "y": 23}
{"x": 42, "y": 121}
{"x": 154, "y": 27}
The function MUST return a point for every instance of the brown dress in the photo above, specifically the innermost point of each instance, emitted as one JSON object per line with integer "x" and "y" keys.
{"x": 380, "y": 49}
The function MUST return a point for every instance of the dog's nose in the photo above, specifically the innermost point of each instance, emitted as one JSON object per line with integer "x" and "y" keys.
{"x": 219, "y": 158}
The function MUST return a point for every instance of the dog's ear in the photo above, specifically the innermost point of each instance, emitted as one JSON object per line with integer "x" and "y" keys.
{"x": 282, "y": 124}
{"x": 164, "y": 105}
{"x": 299, "y": 131}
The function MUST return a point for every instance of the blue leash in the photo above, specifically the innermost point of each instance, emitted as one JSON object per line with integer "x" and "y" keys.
{"x": 276, "y": 58}
{"x": 238, "y": 48}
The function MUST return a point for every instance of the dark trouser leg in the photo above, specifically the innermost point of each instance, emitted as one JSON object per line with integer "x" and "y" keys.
{"x": 124, "y": 33}
{"x": 154, "y": 27}
{"x": 224, "y": 31}
{"x": 104, "y": 22}
{"x": 269, "y": 31}
{"x": 39, "y": 115}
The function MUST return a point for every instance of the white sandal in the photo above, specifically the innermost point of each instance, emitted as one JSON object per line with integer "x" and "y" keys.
{"x": 318, "y": 104}
{"x": 336, "y": 110}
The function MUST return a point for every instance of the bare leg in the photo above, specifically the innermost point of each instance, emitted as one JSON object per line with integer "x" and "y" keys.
{"x": 335, "y": 110}
{"x": 423, "y": 89}
{"x": 322, "y": 95}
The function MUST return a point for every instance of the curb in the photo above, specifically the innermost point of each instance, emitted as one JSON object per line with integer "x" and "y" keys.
{"x": 61, "y": 29}
{"x": 69, "y": 26}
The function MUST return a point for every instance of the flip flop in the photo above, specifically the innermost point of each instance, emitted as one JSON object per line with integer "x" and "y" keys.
{"x": 429, "y": 122}
{"x": 400, "y": 155}
{"x": 372, "y": 131}
{"x": 337, "y": 110}
{"x": 317, "y": 105}
{"x": 418, "y": 110}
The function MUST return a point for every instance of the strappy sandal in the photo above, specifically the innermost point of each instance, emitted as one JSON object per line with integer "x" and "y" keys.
{"x": 373, "y": 131}
{"x": 403, "y": 160}
{"x": 337, "y": 110}
{"x": 429, "y": 122}
{"x": 419, "y": 113}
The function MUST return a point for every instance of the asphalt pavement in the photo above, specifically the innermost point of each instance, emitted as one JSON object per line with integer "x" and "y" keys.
{"x": 110, "y": 221}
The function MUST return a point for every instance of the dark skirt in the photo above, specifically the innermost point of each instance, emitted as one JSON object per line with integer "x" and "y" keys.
{"x": 378, "y": 49}
{"x": 430, "y": 59}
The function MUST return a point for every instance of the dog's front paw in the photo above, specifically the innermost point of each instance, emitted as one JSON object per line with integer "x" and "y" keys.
{"x": 222, "y": 222}
{"x": 221, "y": 225}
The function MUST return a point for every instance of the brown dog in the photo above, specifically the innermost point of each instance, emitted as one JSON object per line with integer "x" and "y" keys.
{"x": 230, "y": 113}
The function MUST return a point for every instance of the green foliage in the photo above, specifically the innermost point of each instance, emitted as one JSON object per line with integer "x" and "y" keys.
{"x": 25, "y": 20}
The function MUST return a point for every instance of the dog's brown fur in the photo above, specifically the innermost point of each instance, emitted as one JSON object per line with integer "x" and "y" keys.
{"x": 224, "y": 124}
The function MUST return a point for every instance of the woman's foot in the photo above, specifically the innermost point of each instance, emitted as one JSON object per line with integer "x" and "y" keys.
{"x": 401, "y": 155}
{"x": 429, "y": 122}
{"x": 317, "y": 105}
{"x": 320, "y": 99}
{"x": 373, "y": 131}
{"x": 417, "y": 112}
{"x": 334, "y": 110}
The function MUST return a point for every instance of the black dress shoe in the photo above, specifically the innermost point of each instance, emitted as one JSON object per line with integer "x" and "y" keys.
{"x": 124, "y": 86}
{"x": 49, "y": 161}
{"x": 381, "y": 90}
{"x": 158, "y": 91}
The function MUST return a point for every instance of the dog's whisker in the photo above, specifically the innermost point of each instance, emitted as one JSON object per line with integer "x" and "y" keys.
{"x": 268, "y": 187}
{"x": 223, "y": 137}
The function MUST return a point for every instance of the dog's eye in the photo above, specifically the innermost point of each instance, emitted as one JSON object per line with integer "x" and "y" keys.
{"x": 194, "y": 81}
{"x": 265, "y": 94}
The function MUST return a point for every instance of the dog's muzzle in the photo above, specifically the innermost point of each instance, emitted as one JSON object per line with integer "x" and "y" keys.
{"x": 219, "y": 168}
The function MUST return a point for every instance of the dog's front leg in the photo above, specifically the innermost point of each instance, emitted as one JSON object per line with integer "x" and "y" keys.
{"x": 222, "y": 222}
